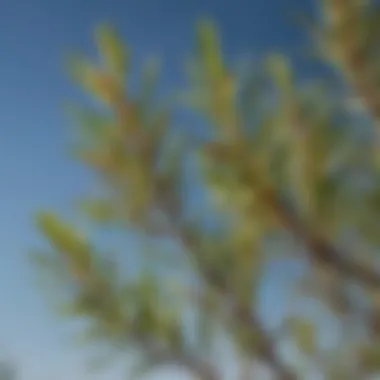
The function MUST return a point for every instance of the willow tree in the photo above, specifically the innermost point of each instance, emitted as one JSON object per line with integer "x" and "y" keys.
{"x": 273, "y": 158}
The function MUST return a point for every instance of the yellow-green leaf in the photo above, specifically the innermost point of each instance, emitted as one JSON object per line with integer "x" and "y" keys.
{"x": 66, "y": 240}
{"x": 112, "y": 51}
{"x": 209, "y": 49}
{"x": 303, "y": 333}
{"x": 101, "y": 85}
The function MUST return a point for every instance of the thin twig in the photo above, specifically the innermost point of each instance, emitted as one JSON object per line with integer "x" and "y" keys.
{"x": 323, "y": 251}
{"x": 242, "y": 315}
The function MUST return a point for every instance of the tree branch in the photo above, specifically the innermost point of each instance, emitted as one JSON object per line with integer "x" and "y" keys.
{"x": 265, "y": 349}
{"x": 321, "y": 250}
{"x": 242, "y": 315}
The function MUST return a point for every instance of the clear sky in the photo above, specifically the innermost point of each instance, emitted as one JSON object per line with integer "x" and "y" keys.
{"x": 34, "y": 168}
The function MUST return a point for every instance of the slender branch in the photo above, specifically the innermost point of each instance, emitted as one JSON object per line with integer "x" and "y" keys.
{"x": 266, "y": 347}
{"x": 321, "y": 250}
{"x": 240, "y": 314}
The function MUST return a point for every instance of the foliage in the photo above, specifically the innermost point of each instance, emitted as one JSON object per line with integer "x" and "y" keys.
{"x": 278, "y": 158}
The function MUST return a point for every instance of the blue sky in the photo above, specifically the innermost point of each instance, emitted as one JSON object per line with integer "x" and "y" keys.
{"x": 34, "y": 168}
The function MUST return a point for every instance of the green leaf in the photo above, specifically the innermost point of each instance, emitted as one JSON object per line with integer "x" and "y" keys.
{"x": 370, "y": 358}
{"x": 94, "y": 126}
{"x": 99, "y": 210}
{"x": 94, "y": 80}
{"x": 112, "y": 51}
{"x": 59, "y": 233}
{"x": 304, "y": 334}
{"x": 278, "y": 66}
{"x": 209, "y": 50}
{"x": 67, "y": 241}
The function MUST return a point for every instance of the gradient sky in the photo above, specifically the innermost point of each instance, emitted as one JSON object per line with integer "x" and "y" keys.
{"x": 34, "y": 168}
